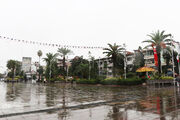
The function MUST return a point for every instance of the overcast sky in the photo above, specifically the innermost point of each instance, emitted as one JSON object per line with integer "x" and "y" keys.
{"x": 82, "y": 22}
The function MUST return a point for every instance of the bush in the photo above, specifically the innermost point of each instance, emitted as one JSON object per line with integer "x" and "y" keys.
{"x": 18, "y": 77}
{"x": 86, "y": 81}
{"x": 166, "y": 78}
{"x": 161, "y": 78}
{"x": 100, "y": 78}
{"x": 119, "y": 81}
{"x": 9, "y": 79}
{"x": 155, "y": 77}
{"x": 130, "y": 81}
{"x": 110, "y": 81}
{"x": 130, "y": 75}
{"x": 60, "y": 79}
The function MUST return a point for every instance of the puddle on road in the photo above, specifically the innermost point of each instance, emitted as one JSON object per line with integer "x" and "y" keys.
{"x": 134, "y": 102}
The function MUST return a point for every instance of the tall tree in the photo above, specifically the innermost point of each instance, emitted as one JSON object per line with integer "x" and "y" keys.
{"x": 79, "y": 67}
{"x": 15, "y": 67}
{"x": 113, "y": 51}
{"x": 139, "y": 59}
{"x": 63, "y": 52}
{"x": 159, "y": 40}
{"x": 50, "y": 61}
{"x": 167, "y": 55}
{"x": 39, "y": 53}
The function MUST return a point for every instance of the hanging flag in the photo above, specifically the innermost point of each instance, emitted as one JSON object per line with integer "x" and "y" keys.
{"x": 155, "y": 56}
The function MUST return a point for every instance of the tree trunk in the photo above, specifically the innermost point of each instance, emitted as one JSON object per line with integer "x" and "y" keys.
{"x": 39, "y": 70}
{"x": 159, "y": 63}
{"x": 114, "y": 68}
{"x": 64, "y": 64}
{"x": 13, "y": 70}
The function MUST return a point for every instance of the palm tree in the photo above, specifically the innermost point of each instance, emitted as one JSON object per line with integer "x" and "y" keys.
{"x": 113, "y": 51}
{"x": 39, "y": 53}
{"x": 63, "y": 52}
{"x": 50, "y": 59}
{"x": 159, "y": 40}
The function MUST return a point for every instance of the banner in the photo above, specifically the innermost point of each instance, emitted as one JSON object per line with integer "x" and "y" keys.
{"x": 155, "y": 56}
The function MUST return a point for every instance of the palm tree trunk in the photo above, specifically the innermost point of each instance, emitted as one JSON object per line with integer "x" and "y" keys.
{"x": 159, "y": 63}
{"x": 39, "y": 69}
{"x": 64, "y": 64}
{"x": 13, "y": 75}
{"x": 114, "y": 68}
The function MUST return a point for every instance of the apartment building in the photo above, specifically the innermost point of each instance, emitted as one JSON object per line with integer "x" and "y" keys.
{"x": 26, "y": 64}
{"x": 149, "y": 58}
{"x": 105, "y": 66}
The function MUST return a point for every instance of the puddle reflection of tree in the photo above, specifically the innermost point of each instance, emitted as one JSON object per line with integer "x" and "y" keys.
{"x": 115, "y": 113}
{"x": 63, "y": 113}
{"x": 14, "y": 90}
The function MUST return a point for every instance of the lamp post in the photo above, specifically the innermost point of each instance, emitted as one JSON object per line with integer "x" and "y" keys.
{"x": 124, "y": 45}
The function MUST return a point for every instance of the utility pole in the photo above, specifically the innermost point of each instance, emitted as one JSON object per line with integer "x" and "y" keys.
{"x": 89, "y": 65}
{"x": 172, "y": 56}
{"x": 124, "y": 45}
{"x": 67, "y": 68}
{"x": 99, "y": 65}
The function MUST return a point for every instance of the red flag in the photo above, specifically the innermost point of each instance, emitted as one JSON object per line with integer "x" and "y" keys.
{"x": 177, "y": 58}
{"x": 155, "y": 56}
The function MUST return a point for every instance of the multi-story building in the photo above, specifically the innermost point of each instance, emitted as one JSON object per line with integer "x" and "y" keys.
{"x": 149, "y": 58}
{"x": 26, "y": 64}
{"x": 60, "y": 62}
{"x": 105, "y": 66}
{"x": 130, "y": 56}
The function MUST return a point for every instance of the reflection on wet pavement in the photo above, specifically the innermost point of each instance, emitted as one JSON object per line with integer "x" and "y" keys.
{"x": 110, "y": 102}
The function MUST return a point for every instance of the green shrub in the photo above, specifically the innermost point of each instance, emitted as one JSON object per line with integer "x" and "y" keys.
{"x": 16, "y": 78}
{"x": 100, "y": 78}
{"x": 60, "y": 79}
{"x": 110, "y": 81}
{"x": 119, "y": 81}
{"x": 130, "y": 75}
{"x": 9, "y": 79}
{"x": 161, "y": 78}
{"x": 154, "y": 77}
{"x": 86, "y": 81}
{"x": 130, "y": 81}
{"x": 166, "y": 78}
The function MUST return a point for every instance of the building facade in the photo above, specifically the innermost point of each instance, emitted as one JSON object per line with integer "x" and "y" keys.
{"x": 105, "y": 66}
{"x": 26, "y": 64}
